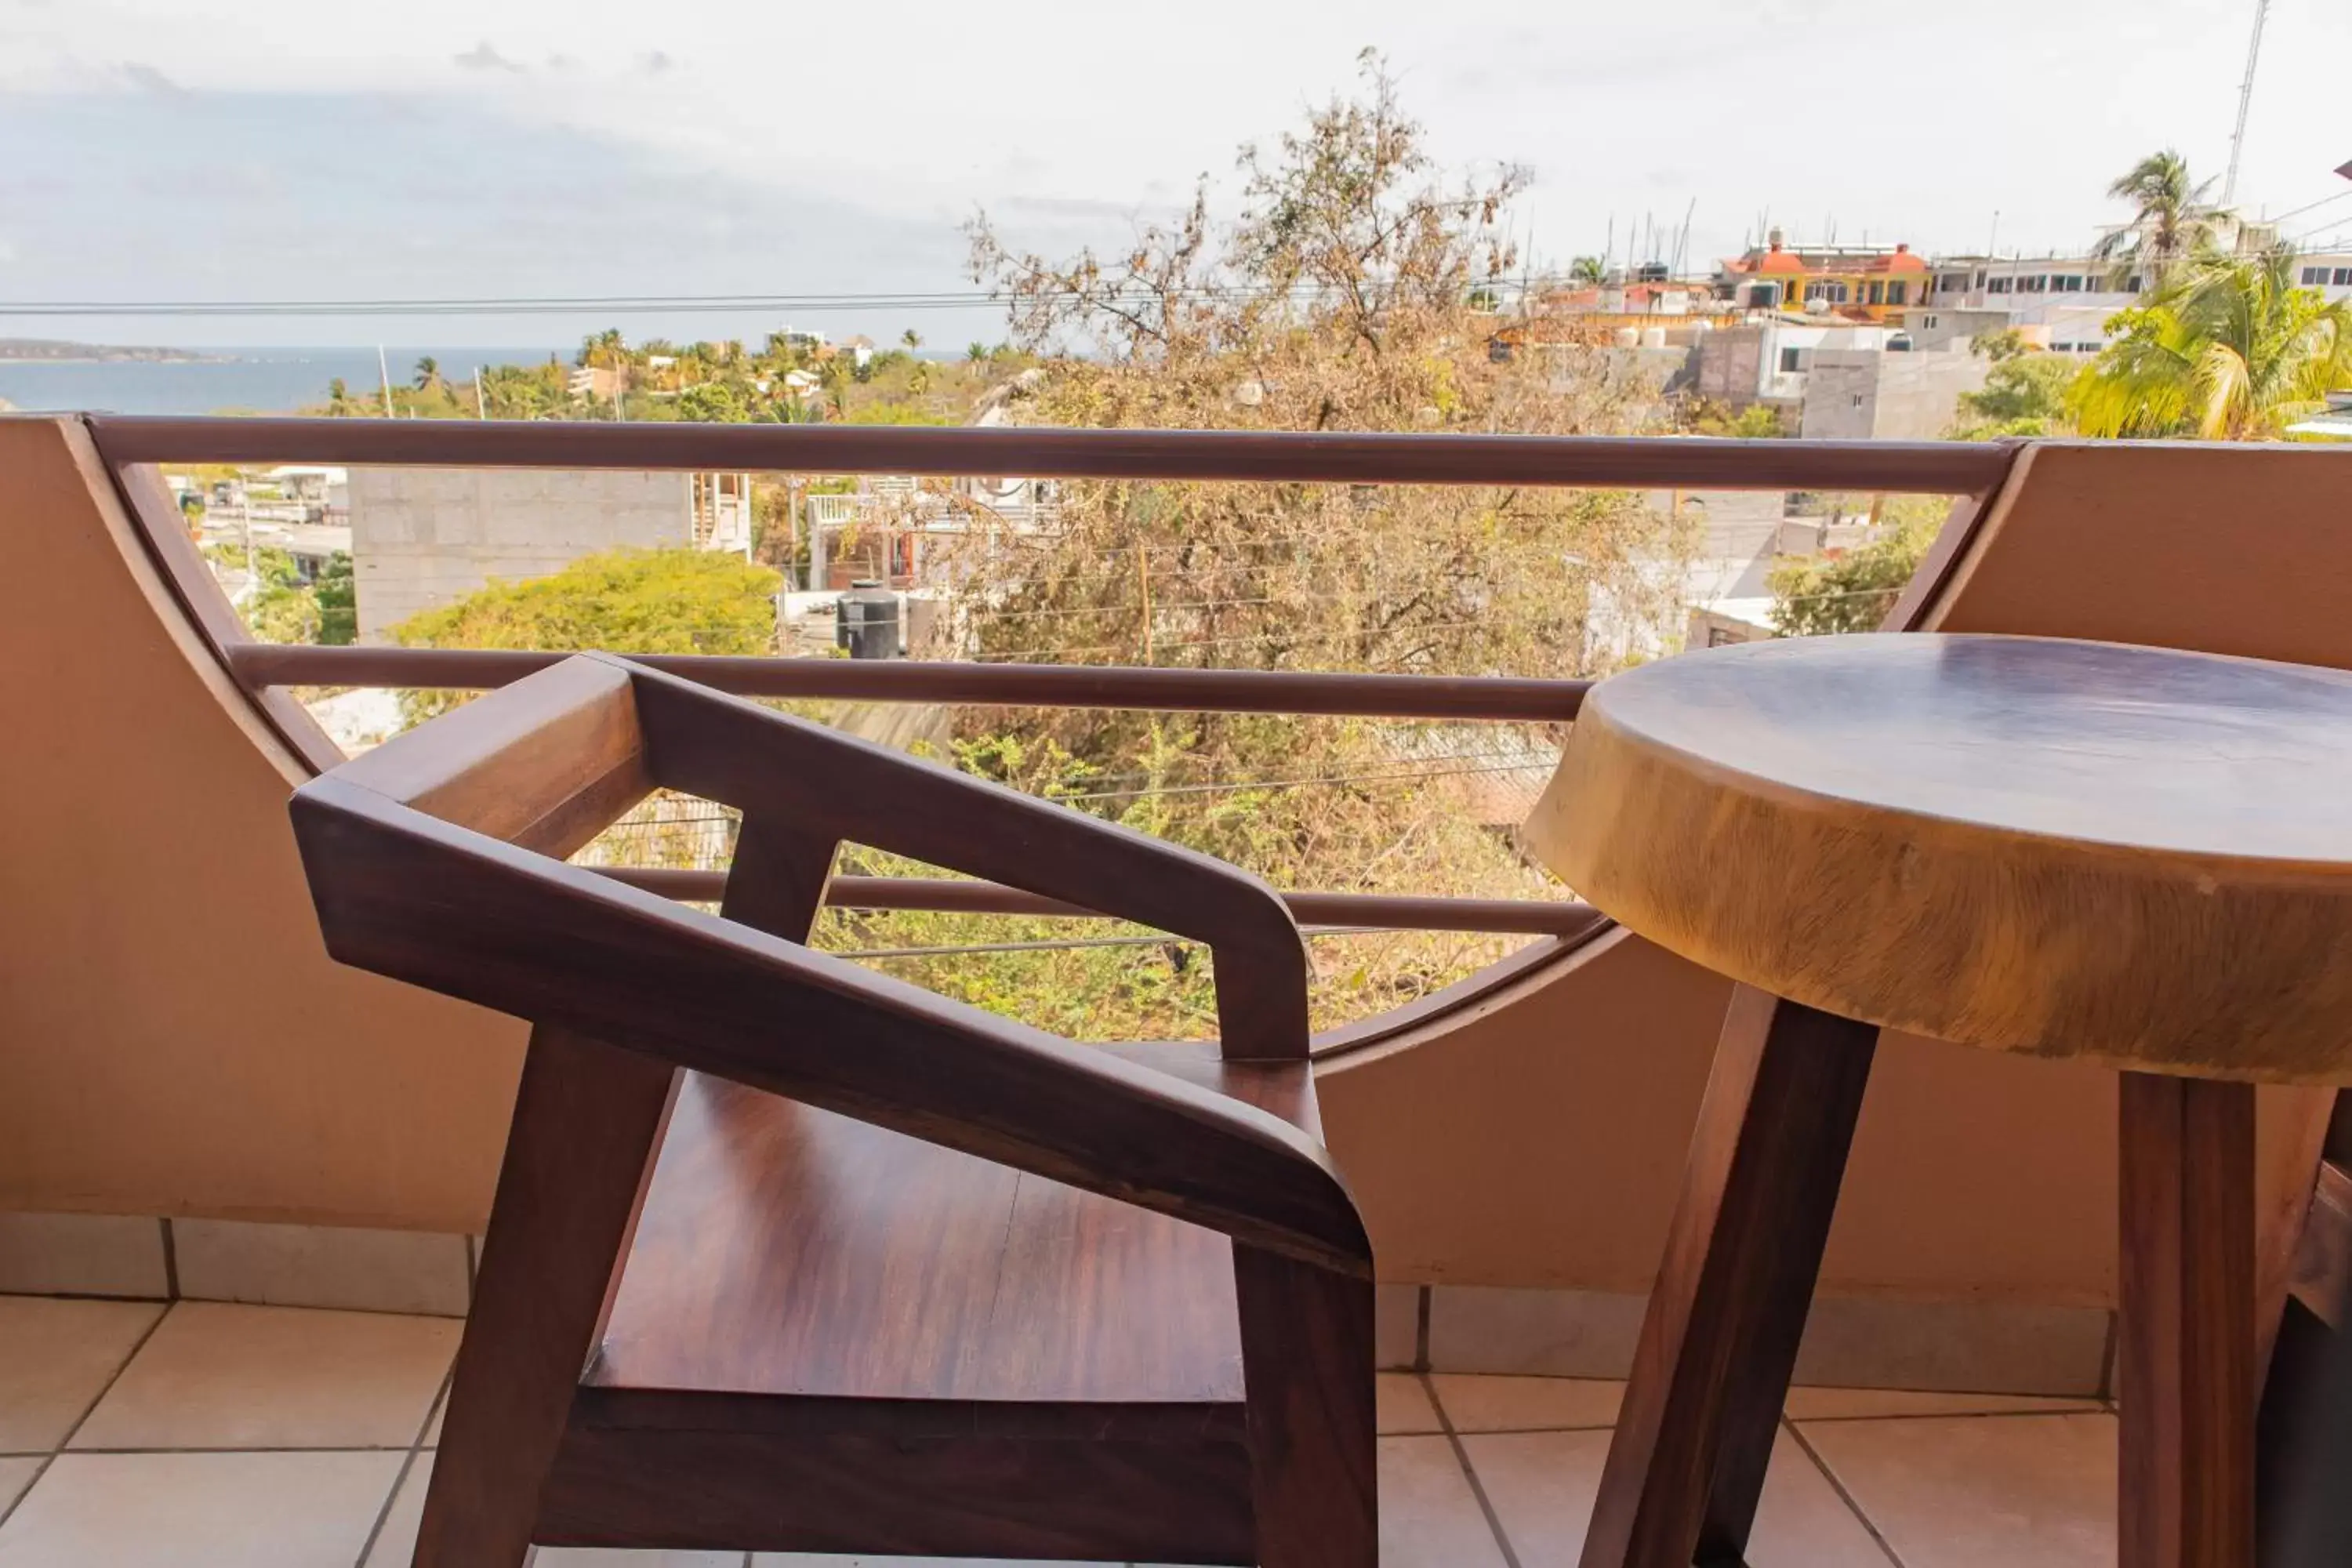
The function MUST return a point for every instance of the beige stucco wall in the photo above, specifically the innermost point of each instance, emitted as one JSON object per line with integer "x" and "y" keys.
{"x": 1540, "y": 1140}
{"x": 172, "y": 1038}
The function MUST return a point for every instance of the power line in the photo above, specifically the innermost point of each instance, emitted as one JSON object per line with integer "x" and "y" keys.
{"x": 614, "y": 304}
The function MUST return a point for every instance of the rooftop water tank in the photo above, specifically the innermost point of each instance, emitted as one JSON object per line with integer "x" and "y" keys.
{"x": 868, "y": 623}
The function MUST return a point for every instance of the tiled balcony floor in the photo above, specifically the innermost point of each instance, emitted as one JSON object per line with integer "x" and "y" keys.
{"x": 207, "y": 1435}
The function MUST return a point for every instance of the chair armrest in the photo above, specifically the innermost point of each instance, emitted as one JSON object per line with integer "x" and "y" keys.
{"x": 829, "y": 786}
{"x": 420, "y": 900}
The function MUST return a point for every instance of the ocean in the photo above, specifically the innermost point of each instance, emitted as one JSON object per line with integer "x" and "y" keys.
{"x": 229, "y": 381}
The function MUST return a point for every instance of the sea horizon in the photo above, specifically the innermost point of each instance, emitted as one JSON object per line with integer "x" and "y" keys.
{"x": 233, "y": 380}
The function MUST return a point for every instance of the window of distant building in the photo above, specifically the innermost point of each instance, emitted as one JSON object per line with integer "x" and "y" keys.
{"x": 1928, "y": 320}
{"x": 1877, "y": 294}
{"x": 2066, "y": 283}
{"x": 1958, "y": 282}
{"x": 1898, "y": 291}
{"x": 2315, "y": 275}
{"x": 1829, "y": 288}
{"x": 1997, "y": 286}
{"x": 2342, "y": 276}
{"x": 2039, "y": 283}
{"x": 1789, "y": 361}
{"x": 2131, "y": 284}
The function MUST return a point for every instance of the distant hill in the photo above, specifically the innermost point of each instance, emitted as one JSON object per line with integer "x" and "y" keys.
{"x": 56, "y": 348}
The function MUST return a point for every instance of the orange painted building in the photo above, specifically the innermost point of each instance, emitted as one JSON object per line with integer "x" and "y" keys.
{"x": 1852, "y": 283}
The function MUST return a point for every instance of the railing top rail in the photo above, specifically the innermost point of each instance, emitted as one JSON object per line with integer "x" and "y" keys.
{"x": 1931, "y": 467}
{"x": 257, "y": 666}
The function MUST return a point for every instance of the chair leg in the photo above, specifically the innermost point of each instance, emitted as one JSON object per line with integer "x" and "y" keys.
{"x": 1687, "y": 1463}
{"x": 2185, "y": 1364}
{"x": 588, "y": 1118}
{"x": 1306, "y": 1366}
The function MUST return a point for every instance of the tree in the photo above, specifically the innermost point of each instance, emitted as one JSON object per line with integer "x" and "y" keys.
{"x": 2170, "y": 221}
{"x": 428, "y": 374}
{"x": 339, "y": 399}
{"x": 338, "y": 601}
{"x": 1586, "y": 269}
{"x": 1852, "y": 592}
{"x": 912, "y": 339}
{"x": 2227, "y": 348}
{"x": 621, "y": 601}
{"x": 976, "y": 352}
{"x": 2023, "y": 395}
{"x": 1337, "y": 298}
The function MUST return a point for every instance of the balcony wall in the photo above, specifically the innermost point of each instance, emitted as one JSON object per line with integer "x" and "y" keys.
{"x": 177, "y": 1042}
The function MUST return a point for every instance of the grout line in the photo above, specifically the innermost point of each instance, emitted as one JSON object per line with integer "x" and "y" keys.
{"x": 1421, "y": 1297}
{"x": 1469, "y": 1471}
{"x": 2085, "y": 1406}
{"x": 81, "y": 1419}
{"x": 170, "y": 1261}
{"x": 1852, "y": 1506}
{"x": 399, "y": 1479}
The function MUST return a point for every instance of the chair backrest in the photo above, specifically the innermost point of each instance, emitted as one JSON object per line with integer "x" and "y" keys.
{"x": 431, "y": 860}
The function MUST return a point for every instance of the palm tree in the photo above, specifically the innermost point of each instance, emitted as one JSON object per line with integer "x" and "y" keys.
{"x": 912, "y": 339}
{"x": 976, "y": 352}
{"x": 2227, "y": 348}
{"x": 428, "y": 374}
{"x": 1585, "y": 269}
{"x": 2171, "y": 217}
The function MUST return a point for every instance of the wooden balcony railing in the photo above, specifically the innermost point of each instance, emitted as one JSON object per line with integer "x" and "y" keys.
{"x": 132, "y": 447}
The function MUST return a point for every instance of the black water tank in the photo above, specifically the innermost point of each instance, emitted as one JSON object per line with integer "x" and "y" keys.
{"x": 868, "y": 621}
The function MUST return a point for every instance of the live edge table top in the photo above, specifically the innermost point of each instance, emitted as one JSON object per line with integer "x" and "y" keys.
{"x": 2131, "y": 855}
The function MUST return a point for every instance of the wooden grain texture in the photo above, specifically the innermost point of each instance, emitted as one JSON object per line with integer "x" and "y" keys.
{"x": 2321, "y": 1275}
{"x": 546, "y": 763}
{"x": 1711, "y": 1371}
{"x": 869, "y": 1494}
{"x": 1522, "y": 699}
{"x": 1933, "y": 468}
{"x": 2133, "y": 856}
{"x": 834, "y": 785}
{"x": 1306, "y": 1336}
{"x": 964, "y": 1285}
{"x": 2184, "y": 1348}
{"x": 407, "y": 896}
{"x": 588, "y": 1117}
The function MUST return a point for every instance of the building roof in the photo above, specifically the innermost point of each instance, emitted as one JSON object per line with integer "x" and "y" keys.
{"x": 1899, "y": 259}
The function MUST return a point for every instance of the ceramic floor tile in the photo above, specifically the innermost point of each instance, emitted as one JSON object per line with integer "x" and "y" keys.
{"x": 199, "y": 1511}
{"x": 396, "y": 1542}
{"x": 818, "y": 1559}
{"x": 2019, "y": 1491}
{"x": 15, "y": 1475}
{"x": 582, "y": 1557}
{"x": 55, "y": 1358}
{"x": 1866, "y": 1404}
{"x": 1404, "y": 1406}
{"x": 1542, "y": 1486}
{"x": 220, "y": 1377}
{"x": 1477, "y": 1402}
{"x": 1429, "y": 1516}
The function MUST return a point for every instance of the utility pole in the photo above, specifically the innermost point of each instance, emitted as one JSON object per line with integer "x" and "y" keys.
{"x": 2245, "y": 101}
{"x": 480, "y": 410}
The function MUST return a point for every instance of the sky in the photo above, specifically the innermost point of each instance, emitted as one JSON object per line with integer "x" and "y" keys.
{"x": 277, "y": 149}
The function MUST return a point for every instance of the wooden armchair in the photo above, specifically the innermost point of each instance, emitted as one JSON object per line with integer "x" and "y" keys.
{"x": 786, "y": 1255}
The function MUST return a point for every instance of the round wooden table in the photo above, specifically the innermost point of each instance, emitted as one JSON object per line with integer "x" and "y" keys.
{"x": 2134, "y": 856}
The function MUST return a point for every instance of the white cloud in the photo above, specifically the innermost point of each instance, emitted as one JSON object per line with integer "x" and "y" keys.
{"x": 1912, "y": 123}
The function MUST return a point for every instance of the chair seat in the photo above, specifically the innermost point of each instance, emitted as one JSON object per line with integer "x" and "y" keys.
{"x": 792, "y": 1269}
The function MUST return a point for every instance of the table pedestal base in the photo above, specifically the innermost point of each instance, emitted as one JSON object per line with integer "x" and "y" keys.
{"x": 2185, "y": 1351}
{"x": 1719, "y": 1341}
